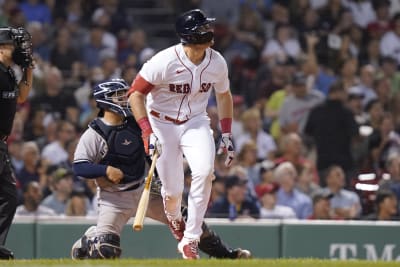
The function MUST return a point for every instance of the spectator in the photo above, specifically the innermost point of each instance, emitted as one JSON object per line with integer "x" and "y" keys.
{"x": 347, "y": 70}
{"x": 283, "y": 46}
{"x": 40, "y": 44}
{"x": 390, "y": 44}
{"x": 31, "y": 157}
{"x": 54, "y": 100}
{"x": 217, "y": 190}
{"x": 362, "y": 12}
{"x": 63, "y": 55}
{"x": 296, "y": 107}
{"x": 234, "y": 204}
{"x": 84, "y": 93}
{"x": 383, "y": 142}
{"x": 355, "y": 96}
{"x": 238, "y": 109}
{"x": 137, "y": 46}
{"x": 272, "y": 109}
{"x": 345, "y": 204}
{"x": 386, "y": 207}
{"x": 321, "y": 207}
{"x": 266, "y": 172}
{"x": 78, "y": 205}
{"x": 305, "y": 182}
{"x": 382, "y": 23}
{"x": 392, "y": 182}
{"x": 32, "y": 193}
{"x": 332, "y": 127}
{"x": 375, "y": 113}
{"x": 56, "y": 152}
{"x": 247, "y": 158}
{"x": 383, "y": 92}
{"x": 292, "y": 150}
{"x": 34, "y": 128}
{"x": 366, "y": 85}
{"x": 269, "y": 209}
{"x": 61, "y": 187}
{"x": 92, "y": 50}
{"x": 253, "y": 131}
{"x": 390, "y": 71}
{"x": 268, "y": 80}
{"x": 371, "y": 55}
{"x": 285, "y": 174}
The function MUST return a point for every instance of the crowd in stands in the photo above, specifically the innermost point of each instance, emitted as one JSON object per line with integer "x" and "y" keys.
{"x": 316, "y": 90}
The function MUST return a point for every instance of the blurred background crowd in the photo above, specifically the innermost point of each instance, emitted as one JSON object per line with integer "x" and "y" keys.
{"x": 316, "y": 90}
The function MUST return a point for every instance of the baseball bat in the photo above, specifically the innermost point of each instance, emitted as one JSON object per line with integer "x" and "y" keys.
{"x": 144, "y": 198}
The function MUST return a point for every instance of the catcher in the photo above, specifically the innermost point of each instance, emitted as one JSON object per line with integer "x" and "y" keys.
{"x": 112, "y": 149}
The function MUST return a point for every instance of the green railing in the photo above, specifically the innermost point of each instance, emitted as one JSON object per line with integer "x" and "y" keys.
{"x": 53, "y": 238}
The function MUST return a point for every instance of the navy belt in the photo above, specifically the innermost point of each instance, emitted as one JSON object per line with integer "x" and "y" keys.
{"x": 133, "y": 187}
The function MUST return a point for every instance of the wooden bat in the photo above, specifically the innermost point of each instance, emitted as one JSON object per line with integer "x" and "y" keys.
{"x": 144, "y": 198}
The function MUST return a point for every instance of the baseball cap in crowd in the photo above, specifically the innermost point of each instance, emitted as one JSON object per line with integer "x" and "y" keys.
{"x": 61, "y": 173}
{"x": 299, "y": 78}
{"x": 266, "y": 165}
{"x": 321, "y": 195}
{"x": 263, "y": 189}
{"x": 355, "y": 92}
{"x": 234, "y": 180}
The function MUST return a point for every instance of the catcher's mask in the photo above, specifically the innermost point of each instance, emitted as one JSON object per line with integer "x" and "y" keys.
{"x": 112, "y": 95}
{"x": 193, "y": 27}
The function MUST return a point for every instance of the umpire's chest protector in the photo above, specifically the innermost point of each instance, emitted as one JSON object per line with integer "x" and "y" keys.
{"x": 125, "y": 148}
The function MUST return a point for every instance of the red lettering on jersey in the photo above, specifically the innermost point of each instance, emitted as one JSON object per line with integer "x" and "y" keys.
{"x": 179, "y": 88}
{"x": 205, "y": 87}
{"x": 186, "y": 88}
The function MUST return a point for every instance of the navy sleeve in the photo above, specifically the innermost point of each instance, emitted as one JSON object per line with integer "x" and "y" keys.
{"x": 89, "y": 170}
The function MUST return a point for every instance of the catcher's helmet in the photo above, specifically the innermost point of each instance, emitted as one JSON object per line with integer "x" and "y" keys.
{"x": 192, "y": 27}
{"x": 111, "y": 95}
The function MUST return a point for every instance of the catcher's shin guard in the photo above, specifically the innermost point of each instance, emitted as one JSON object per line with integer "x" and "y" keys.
{"x": 106, "y": 246}
{"x": 212, "y": 245}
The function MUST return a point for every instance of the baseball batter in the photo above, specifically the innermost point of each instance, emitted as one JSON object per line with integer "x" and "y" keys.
{"x": 176, "y": 84}
{"x": 112, "y": 152}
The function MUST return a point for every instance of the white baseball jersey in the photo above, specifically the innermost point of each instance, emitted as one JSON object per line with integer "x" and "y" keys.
{"x": 182, "y": 89}
{"x": 179, "y": 96}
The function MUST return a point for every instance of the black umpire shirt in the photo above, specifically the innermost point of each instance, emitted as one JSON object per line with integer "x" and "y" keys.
{"x": 8, "y": 99}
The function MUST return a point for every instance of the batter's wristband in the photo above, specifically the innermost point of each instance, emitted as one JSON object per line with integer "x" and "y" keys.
{"x": 144, "y": 124}
{"x": 226, "y": 125}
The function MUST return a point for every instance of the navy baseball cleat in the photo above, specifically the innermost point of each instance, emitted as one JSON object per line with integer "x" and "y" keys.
{"x": 6, "y": 254}
{"x": 242, "y": 253}
{"x": 80, "y": 249}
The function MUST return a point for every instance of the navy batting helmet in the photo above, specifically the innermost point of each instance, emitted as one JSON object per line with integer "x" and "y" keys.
{"x": 111, "y": 95}
{"x": 193, "y": 27}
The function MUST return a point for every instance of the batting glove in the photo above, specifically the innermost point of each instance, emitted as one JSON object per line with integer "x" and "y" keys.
{"x": 154, "y": 145}
{"x": 226, "y": 146}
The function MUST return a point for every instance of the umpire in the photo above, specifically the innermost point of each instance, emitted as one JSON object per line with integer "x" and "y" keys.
{"x": 15, "y": 48}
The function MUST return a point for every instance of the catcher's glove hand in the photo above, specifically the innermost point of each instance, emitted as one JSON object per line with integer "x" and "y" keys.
{"x": 22, "y": 54}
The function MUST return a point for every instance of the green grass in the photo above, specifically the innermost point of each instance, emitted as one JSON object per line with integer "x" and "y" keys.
{"x": 200, "y": 263}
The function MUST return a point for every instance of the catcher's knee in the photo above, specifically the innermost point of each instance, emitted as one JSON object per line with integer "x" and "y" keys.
{"x": 106, "y": 246}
